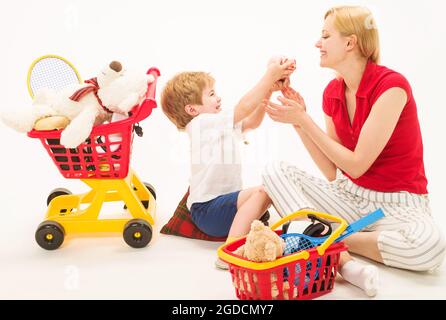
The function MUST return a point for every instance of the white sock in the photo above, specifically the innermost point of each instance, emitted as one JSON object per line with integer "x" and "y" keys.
{"x": 365, "y": 277}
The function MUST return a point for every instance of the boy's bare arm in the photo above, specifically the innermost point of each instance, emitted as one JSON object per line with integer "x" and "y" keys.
{"x": 254, "y": 97}
{"x": 255, "y": 119}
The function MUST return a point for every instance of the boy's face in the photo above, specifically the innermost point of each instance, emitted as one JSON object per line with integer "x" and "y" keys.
{"x": 211, "y": 103}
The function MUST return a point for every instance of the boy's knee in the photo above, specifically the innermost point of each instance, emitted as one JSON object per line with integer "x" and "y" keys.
{"x": 261, "y": 192}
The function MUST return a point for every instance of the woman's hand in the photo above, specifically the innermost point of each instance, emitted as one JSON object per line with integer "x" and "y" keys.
{"x": 292, "y": 94}
{"x": 289, "y": 112}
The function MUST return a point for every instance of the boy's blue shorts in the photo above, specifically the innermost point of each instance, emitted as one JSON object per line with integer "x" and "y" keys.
{"x": 215, "y": 217}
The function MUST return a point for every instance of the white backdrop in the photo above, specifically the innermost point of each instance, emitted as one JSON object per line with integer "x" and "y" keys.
{"x": 231, "y": 39}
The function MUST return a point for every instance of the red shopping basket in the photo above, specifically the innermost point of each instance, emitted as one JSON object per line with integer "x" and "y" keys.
{"x": 303, "y": 275}
{"x": 100, "y": 156}
{"x": 296, "y": 280}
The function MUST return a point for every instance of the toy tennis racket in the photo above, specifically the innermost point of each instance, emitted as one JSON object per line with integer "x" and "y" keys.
{"x": 53, "y": 72}
{"x": 298, "y": 242}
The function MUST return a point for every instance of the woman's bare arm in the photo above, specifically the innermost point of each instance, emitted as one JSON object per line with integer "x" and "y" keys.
{"x": 373, "y": 138}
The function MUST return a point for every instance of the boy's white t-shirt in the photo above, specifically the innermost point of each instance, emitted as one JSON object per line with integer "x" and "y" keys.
{"x": 215, "y": 156}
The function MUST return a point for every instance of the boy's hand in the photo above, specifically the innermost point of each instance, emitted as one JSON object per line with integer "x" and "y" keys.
{"x": 280, "y": 85}
{"x": 278, "y": 70}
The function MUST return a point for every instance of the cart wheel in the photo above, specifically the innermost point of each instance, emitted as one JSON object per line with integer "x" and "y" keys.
{"x": 151, "y": 189}
{"x": 56, "y": 193}
{"x": 50, "y": 235}
{"x": 137, "y": 233}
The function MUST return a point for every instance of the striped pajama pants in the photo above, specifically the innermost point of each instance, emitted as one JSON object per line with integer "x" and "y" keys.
{"x": 408, "y": 239}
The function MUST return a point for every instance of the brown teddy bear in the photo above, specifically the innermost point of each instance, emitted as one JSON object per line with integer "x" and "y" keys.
{"x": 262, "y": 245}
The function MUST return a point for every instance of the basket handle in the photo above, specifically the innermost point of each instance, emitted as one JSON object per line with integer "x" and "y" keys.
{"x": 339, "y": 230}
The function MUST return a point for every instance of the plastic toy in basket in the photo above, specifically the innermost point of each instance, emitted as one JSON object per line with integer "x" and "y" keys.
{"x": 106, "y": 172}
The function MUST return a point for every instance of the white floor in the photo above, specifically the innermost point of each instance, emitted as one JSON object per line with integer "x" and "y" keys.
{"x": 169, "y": 268}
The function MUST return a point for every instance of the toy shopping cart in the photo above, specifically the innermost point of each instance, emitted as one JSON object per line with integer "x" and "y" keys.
{"x": 306, "y": 274}
{"x": 102, "y": 163}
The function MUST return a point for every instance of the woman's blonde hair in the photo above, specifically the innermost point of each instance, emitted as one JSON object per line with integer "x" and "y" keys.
{"x": 359, "y": 21}
{"x": 184, "y": 89}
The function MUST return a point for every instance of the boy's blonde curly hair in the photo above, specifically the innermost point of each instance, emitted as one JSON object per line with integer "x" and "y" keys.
{"x": 184, "y": 89}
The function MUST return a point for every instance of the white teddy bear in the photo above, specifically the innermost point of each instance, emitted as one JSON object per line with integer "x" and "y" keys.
{"x": 114, "y": 91}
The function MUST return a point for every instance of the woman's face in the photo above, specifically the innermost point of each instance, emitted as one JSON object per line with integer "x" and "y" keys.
{"x": 332, "y": 45}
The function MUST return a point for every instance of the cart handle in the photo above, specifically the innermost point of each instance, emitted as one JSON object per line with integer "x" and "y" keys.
{"x": 149, "y": 103}
{"x": 339, "y": 230}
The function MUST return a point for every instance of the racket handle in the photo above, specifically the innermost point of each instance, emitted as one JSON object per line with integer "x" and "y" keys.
{"x": 367, "y": 220}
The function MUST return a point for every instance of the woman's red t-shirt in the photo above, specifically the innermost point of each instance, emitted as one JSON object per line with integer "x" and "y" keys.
{"x": 400, "y": 165}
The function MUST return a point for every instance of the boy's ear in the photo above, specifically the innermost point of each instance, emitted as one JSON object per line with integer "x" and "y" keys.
{"x": 191, "y": 110}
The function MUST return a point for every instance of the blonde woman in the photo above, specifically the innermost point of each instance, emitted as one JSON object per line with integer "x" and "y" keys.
{"x": 371, "y": 154}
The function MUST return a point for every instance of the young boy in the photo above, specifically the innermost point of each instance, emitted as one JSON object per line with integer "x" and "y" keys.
{"x": 217, "y": 204}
